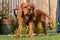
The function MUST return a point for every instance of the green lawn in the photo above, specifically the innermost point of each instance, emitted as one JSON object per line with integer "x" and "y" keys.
{"x": 50, "y": 36}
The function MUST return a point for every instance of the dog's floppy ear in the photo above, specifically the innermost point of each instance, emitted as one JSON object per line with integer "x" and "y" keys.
{"x": 33, "y": 5}
{"x": 19, "y": 15}
{"x": 21, "y": 5}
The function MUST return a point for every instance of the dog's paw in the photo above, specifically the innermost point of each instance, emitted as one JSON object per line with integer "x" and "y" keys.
{"x": 30, "y": 35}
{"x": 16, "y": 36}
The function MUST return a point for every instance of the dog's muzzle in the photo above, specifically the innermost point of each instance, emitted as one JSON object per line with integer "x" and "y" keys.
{"x": 29, "y": 9}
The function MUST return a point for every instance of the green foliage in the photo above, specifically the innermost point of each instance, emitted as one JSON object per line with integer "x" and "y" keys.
{"x": 25, "y": 30}
{"x": 1, "y": 15}
{"x": 54, "y": 23}
{"x": 15, "y": 27}
{"x": 40, "y": 27}
{"x": 4, "y": 13}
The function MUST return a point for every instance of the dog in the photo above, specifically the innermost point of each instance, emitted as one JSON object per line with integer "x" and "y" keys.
{"x": 28, "y": 15}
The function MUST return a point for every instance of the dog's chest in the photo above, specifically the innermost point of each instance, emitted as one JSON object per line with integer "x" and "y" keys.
{"x": 31, "y": 18}
{"x": 25, "y": 19}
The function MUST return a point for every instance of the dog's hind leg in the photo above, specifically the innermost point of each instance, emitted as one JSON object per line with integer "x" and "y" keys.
{"x": 44, "y": 28}
{"x": 37, "y": 29}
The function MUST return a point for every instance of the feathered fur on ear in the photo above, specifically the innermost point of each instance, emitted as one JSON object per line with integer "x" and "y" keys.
{"x": 33, "y": 5}
{"x": 19, "y": 14}
{"x": 21, "y": 5}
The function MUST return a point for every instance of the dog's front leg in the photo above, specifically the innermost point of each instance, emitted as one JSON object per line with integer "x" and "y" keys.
{"x": 18, "y": 34}
{"x": 31, "y": 24}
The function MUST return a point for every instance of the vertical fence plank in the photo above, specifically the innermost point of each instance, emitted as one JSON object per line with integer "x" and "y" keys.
{"x": 53, "y": 7}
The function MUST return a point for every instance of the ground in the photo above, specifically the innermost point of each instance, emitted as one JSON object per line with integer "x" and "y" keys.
{"x": 50, "y": 36}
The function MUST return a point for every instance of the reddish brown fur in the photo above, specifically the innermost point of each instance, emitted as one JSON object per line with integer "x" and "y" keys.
{"x": 24, "y": 19}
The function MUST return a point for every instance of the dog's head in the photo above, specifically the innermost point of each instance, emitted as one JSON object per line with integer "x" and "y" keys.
{"x": 27, "y": 8}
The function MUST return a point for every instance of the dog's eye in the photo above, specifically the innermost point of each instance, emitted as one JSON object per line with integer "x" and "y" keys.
{"x": 32, "y": 7}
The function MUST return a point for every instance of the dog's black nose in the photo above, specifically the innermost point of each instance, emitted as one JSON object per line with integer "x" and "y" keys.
{"x": 29, "y": 8}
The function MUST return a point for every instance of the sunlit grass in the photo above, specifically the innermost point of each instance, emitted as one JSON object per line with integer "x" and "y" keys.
{"x": 50, "y": 36}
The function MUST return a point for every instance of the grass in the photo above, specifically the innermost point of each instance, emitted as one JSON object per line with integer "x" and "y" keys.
{"x": 50, "y": 36}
